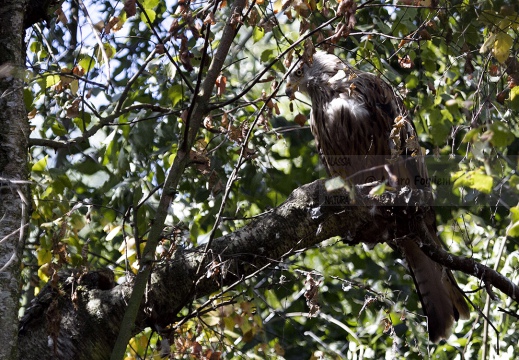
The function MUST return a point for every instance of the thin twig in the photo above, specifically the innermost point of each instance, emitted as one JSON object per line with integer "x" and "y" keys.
{"x": 99, "y": 42}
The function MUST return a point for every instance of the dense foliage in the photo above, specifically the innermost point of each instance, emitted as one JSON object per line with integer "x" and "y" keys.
{"x": 110, "y": 93}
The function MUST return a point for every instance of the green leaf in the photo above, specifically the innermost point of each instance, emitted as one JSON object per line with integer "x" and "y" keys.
{"x": 88, "y": 166}
{"x": 440, "y": 126}
{"x": 150, "y": 4}
{"x": 40, "y": 165}
{"x": 151, "y": 15}
{"x": 159, "y": 174}
{"x": 58, "y": 129}
{"x": 513, "y": 182}
{"x": 488, "y": 44}
{"x": 74, "y": 86}
{"x": 500, "y": 134}
{"x": 175, "y": 94}
{"x": 35, "y": 46}
{"x": 109, "y": 50}
{"x": 83, "y": 121}
{"x": 412, "y": 81}
{"x": 257, "y": 34}
{"x": 87, "y": 62}
{"x": 471, "y": 135}
{"x": 266, "y": 55}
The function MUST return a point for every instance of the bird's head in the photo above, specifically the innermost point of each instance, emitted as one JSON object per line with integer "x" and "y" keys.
{"x": 296, "y": 79}
{"x": 318, "y": 70}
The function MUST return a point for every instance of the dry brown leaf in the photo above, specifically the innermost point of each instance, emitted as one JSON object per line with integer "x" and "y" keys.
{"x": 209, "y": 19}
{"x": 175, "y": 26}
{"x": 311, "y": 295}
{"x": 403, "y": 42}
{"x": 130, "y": 7}
{"x": 253, "y": 18}
{"x": 160, "y": 48}
{"x": 300, "y": 119}
{"x": 308, "y": 51}
{"x": 234, "y": 133}
{"x": 225, "y": 119}
{"x": 61, "y": 17}
{"x": 221, "y": 83}
{"x": 287, "y": 61}
{"x": 502, "y": 96}
{"x": 406, "y": 62}
{"x": 493, "y": 70}
{"x": 208, "y": 122}
{"x": 111, "y": 24}
{"x": 387, "y": 325}
{"x": 32, "y": 114}
{"x": 78, "y": 71}
{"x": 424, "y": 34}
{"x": 73, "y": 109}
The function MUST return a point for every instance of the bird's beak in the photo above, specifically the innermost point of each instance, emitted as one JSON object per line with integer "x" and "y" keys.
{"x": 290, "y": 90}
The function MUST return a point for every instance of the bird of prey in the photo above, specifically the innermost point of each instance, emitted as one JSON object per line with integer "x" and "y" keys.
{"x": 363, "y": 134}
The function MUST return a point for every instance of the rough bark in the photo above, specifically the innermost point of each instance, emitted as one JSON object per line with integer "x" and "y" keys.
{"x": 86, "y": 327}
{"x": 14, "y": 131}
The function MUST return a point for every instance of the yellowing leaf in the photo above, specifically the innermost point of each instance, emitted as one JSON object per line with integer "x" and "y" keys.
{"x": 44, "y": 256}
{"x": 502, "y": 46}
{"x": 514, "y": 98}
{"x": 513, "y": 228}
{"x": 51, "y": 80}
{"x": 40, "y": 165}
{"x": 475, "y": 179}
{"x": 44, "y": 272}
{"x": 378, "y": 190}
{"x": 74, "y": 86}
{"x": 109, "y": 50}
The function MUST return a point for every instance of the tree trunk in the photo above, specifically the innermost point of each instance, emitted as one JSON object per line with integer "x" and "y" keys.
{"x": 14, "y": 191}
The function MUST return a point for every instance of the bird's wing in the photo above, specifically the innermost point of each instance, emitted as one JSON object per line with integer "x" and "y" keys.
{"x": 363, "y": 132}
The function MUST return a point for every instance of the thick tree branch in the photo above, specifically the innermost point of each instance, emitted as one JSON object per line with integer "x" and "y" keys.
{"x": 91, "y": 322}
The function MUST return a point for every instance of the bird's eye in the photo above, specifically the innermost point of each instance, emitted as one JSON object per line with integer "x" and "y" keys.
{"x": 299, "y": 72}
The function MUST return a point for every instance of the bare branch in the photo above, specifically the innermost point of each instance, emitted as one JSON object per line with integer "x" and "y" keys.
{"x": 99, "y": 41}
